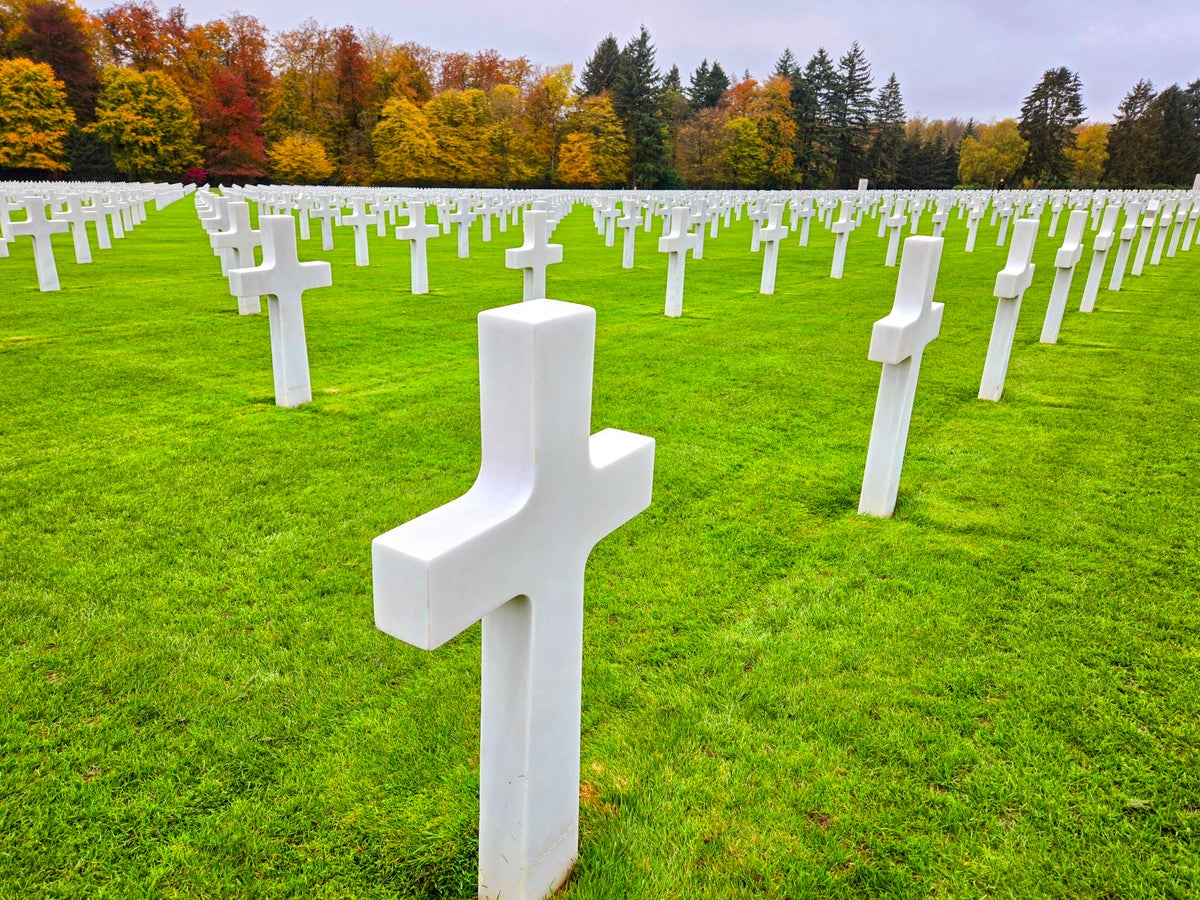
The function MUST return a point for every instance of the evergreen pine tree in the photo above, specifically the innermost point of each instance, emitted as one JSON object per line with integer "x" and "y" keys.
{"x": 852, "y": 116}
{"x": 813, "y": 106}
{"x": 600, "y": 71}
{"x": 1175, "y": 138}
{"x": 1048, "y": 119}
{"x": 637, "y": 93}
{"x": 888, "y": 133}
{"x": 1131, "y": 155}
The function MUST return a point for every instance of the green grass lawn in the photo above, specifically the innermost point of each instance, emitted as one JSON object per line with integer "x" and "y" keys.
{"x": 995, "y": 694}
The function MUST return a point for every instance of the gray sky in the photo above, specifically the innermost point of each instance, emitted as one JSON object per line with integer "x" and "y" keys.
{"x": 961, "y": 59}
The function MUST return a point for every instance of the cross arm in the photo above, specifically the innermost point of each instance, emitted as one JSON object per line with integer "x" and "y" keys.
{"x": 622, "y": 478}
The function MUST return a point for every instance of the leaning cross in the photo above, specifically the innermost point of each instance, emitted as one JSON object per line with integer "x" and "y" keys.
{"x": 512, "y": 551}
{"x": 77, "y": 217}
{"x": 1011, "y": 284}
{"x": 1128, "y": 233}
{"x": 1067, "y": 258}
{"x": 1100, "y": 248}
{"x": 534, "y": 255}
{"x": 284, "y": 279}
{"x": 39, "y": 227}
{"x": 898, "y": 341}
{"x": 676, "y": 244}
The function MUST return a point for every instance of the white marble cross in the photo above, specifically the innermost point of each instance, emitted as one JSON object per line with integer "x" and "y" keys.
{"x": 1064, "y": 264}
{"x": 1176, "y": 235}
{"x": 1100, "y": 247}
{"x": 1128, "y": 232}
{"x": 512, "y": 551}
{"x": 463, "y": 218}
{"x": 677, "y": 243}
{"x": 628, "y": 224}
{"x": 1165, "y": 218}
{"x": 1149, "y": 220}
{"x": 805, "y": 213}
{"x": 939, "y": 218}
{"x": 1193, "y": 216}
{"x": 534, "y": 255}
{"x": 841, "y": 230}
{"x": 973, "y": 227}
{"x": 76, "y": 216}
{"x": 1011, "y": 285}
{"x": 1005, "y": 216}
{"x": 38, "y": 227}
{"x": 771, "y": 234}
{"x": 895, "y": 223}
{"x": 241, "y": 241}
{"x": 284, "y": 279}
{"x": 898, "y": 341}
{"x": 360, "y": 220}
{"x": 327, "y": 212}
{"x": 417, "y": 232}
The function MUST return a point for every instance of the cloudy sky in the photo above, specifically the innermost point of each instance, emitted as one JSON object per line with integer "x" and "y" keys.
{"x": 953, "y": 57}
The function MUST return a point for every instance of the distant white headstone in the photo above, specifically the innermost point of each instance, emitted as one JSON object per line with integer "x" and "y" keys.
{"x": 677, "y": 243}
{"x": 533, "y": 256}
{"x": 417, "y": 233}
{"x": 284, "y": 279}
{"x": 512, "y": 551}
{"x": 1067, "y": 258}
{"x": 1100, "y": 248}
{"x": 38, "y": 227}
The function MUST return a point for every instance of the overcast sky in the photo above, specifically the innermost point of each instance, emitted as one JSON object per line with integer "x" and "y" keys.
{"x": 953, "y": 57}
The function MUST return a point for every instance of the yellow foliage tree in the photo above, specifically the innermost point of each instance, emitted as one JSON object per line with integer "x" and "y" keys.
{"x": 594, "y": 134}
{"x": 34, "y": 116}
{"x": 460, "y": 124}
{"x": 299, "y": 159}
{"x": 547, "y": 103}
{"x": 404, "y": 145}
{"x": 147, "y": 124}
{"x": 771, "y": 111}
{"x": 1089, "y": 154}
{"x": 744, "y": 153}
{"x": 995, "y": 153}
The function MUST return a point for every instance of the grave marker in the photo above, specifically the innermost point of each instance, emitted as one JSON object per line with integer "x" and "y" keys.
{"x": 898, "y": 341}
{"x": 417, "y": 233}
{"x": 1011, "y": 284}
{"x": 677, "y": 243}
{"x": 533, "y": 256}
{"x": 1064, "y": 264}
{"x": 38, "y": 227}
{"x": 513, "y": 551}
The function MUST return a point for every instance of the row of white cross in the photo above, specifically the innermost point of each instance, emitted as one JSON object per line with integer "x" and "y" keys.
{"x": 512, "y": 551}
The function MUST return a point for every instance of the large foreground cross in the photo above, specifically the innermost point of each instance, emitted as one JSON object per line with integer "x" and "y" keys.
{"x": 898, "y": 341}
{"x": 512, "y": 552}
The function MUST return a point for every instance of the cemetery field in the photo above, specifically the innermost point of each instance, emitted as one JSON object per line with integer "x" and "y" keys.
{"x": 996, "y": 693}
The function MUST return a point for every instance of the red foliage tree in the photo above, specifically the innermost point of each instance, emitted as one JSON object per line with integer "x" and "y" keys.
{"x": 231, "y": 128}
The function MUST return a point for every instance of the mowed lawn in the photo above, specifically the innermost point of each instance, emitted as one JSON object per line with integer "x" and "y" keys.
{"x": 996, "y": 693}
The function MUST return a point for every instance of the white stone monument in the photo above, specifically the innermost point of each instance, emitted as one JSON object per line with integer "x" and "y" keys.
{"x": 1011, "y": 284}
{"x": 38, "y": 227}
{"x": 898, "y": 341}
{"x": 533, "y": 256}
{"x": 771, "y": 235}
{"x": 841, "y": 231}
{"x": 1100, "y": 247}
{"x": 417, "y": 232}
{"x": 284, "y": 279}
{"x": 512, "y": 551}
{"x": 241, "y": 241}
{"x": 677, "y": 243}
{"x": 1064, "y": 265}
{"x": 628, "y": 223}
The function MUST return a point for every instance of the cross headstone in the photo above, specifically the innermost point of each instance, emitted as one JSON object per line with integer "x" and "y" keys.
{"x": 417, "y": 232}
{"x": 1128, "y": 231}
{"x": 805, "y": 214}
{"x": 1100, "y": 247}
{"x": 1011, "y": 285}
{"x": 1166, "y": 218}
{"x": 1188, "y": 237}
{"x": 241, "y": 241}
{"x": 1064, "y": 265}
{"x": 512, "y": 551}
{"x": 898, "y": 341}
{"x": 38, "y": 227}
{"x": 284, "y": 279}
{"x": 677, "y": 243}
{"x": 973, "y": 227}
{"x": 771, "y": 234}
{"x": 628, "y": 224}
{"x": 1177, "y": 234}
{"x": 1149, "y": 220}
{"x": 463, "y": 218}
{"x": 359, "y": 220}
{"x": 533, "y": 256}
{"x": 327, "y": 212}
{"x": 77, "y": 218}
{"x": 895, "y": 223}
{"x": 841, "y": 230}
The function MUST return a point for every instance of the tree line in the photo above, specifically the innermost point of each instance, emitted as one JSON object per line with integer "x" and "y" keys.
{"x": 135, "y": 92}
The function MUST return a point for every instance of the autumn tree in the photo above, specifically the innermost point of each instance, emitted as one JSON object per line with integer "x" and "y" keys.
{"x": 1089, "y": 154}
{"x": 700, "y": 149}
{"x": 147, "y": 124}
{"x": 231, "y": 128}
{"x": 996, "y": 153}
{"x": 547, "y": 104}
{"x": 60, "y": 35}
{"x": 132, "y": 35}
{"x": 1049, "y": 116}
{"x": 595, "y": 151}
{"x": 299, "y": 159}
{"x": 34, "y": 117}
{"x": 404, "y": 145}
